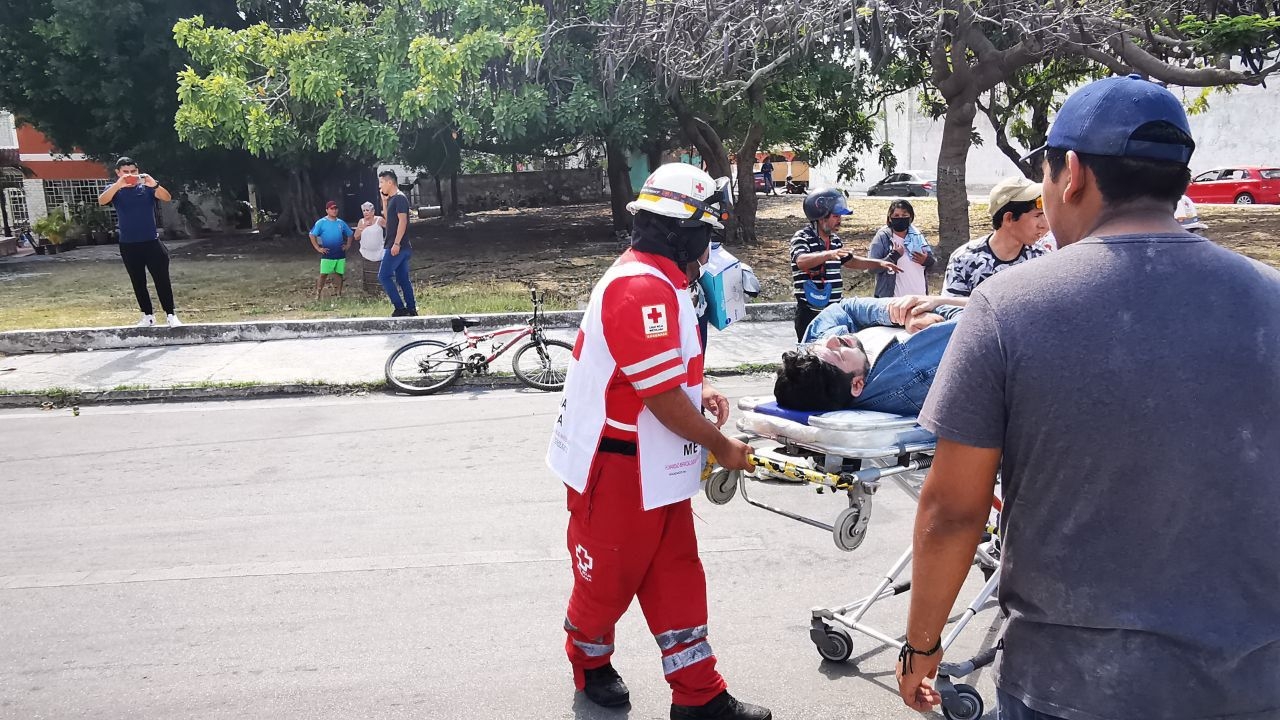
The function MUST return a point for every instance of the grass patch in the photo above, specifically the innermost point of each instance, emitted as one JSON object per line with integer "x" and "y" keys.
{"x": 482, "y": 264}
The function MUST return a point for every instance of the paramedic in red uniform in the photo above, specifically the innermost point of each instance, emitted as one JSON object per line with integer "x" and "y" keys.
{"x": 629, "y": 445}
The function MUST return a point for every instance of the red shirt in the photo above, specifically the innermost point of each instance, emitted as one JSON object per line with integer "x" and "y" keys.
{"x": 641, "y": 320}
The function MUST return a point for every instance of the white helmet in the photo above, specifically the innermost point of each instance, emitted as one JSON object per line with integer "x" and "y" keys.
{"x": 678, "y": 190}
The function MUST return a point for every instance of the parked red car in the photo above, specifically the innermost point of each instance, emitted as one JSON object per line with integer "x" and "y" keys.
{"x": 1239, "y": 185}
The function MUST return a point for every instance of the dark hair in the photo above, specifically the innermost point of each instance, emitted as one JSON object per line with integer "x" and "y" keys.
{"x": 1125, "y": 179}
{"x": 388, "y": 174}
{"x": 901, "y": 205}
{"x": 125, "y": 161}
{"x": 1017, "y": 207}
{"x": 806, "y": 382}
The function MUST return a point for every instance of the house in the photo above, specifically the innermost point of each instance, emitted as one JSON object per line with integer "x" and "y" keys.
{"x": 57, "y": 179}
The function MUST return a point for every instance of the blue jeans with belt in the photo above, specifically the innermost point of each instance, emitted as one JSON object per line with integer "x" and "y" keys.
{"x": 394, "y": 271}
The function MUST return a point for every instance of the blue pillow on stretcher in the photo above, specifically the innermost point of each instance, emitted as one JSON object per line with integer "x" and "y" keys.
{"x": 773, "y": 408}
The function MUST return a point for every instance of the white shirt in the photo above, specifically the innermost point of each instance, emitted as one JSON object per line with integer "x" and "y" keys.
{"x": 371, "y": 242}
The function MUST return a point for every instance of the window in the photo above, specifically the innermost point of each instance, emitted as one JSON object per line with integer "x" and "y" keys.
{"x": 1235, "y": 175}
{"x": 1271, "y": 174}
{"x": 1208, "y": 177}
{"x": 75, "y": 192}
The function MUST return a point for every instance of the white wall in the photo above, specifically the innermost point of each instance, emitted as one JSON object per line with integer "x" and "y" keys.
{"x": 1233, "y": 131}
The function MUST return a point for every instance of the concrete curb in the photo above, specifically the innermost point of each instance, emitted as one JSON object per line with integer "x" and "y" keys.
{"x": 76, "y": 398}
{"x": 18, "y": 342}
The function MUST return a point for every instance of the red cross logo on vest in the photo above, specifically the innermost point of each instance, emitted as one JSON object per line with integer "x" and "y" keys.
{"x": 655, "y": 320}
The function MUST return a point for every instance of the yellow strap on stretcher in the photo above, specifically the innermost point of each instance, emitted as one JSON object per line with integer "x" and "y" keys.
{"x": 791, "y": 470}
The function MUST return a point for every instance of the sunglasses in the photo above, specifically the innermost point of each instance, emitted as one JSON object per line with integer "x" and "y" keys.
{"x": 1040, "y": 203}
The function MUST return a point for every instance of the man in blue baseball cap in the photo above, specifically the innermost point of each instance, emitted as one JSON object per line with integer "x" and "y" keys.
{"x": 1138, "y": 455}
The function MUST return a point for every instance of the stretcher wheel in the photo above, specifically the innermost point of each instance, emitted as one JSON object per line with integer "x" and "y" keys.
{"x": 836, "y": 645}
{"x": 849, "y": 531}
{"x": 722, "y": 485}
{"x": 967, "y": 704}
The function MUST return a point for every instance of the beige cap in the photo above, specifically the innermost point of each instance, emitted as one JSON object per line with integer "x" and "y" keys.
{"x": 1014, "y": 189}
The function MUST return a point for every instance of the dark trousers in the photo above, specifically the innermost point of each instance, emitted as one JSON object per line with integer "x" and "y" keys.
{"x": 1011, "y": 708}
{"x": 804, "y": 316}
{"x": 153, "y": 257}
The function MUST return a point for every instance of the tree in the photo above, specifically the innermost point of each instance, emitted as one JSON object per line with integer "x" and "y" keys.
{"x": 100, "y": 77}
{"x": 971, "y": 49}
{"x": 714, "y": 62}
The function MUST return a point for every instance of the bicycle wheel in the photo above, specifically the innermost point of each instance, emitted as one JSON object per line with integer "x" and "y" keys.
{"x": 423, "y": 367}
{"x": 543, "y": 367}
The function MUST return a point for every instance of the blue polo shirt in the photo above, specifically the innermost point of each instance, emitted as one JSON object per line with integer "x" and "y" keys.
{"x": 136, "y": 209}
{"x": 331, "y": 234}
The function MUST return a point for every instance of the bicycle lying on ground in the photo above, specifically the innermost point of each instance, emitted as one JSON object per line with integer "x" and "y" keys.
{"x": 426, "y": 366}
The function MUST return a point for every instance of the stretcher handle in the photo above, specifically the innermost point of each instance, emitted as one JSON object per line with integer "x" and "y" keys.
{"x": 790, "y": 470}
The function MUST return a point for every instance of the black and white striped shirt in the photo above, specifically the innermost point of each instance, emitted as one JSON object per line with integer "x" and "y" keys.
{"x": 804, "y": 242}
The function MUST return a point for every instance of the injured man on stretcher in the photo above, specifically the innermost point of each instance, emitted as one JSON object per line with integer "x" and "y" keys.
{"x": 869, "y": 354}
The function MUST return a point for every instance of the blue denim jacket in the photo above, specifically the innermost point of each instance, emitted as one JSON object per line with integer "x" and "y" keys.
{"x": 901, "y": 377}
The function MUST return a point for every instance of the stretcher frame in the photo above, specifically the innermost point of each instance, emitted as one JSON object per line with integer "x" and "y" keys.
{"x": 830, "y": 627}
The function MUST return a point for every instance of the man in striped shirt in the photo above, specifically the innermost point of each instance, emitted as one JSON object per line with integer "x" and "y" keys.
{"x": 818, "y": 254}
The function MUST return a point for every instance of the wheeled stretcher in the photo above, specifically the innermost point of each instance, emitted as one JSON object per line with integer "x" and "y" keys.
{"x": 854, "y": 452}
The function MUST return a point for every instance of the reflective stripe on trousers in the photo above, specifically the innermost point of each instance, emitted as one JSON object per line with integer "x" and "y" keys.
{"x": 672, "y": 638}
{"x": 689, "y": 656}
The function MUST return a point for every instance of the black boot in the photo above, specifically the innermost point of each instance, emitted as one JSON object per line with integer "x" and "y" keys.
{"x": 722, "y": 707}
{"x": 604, "y": 687}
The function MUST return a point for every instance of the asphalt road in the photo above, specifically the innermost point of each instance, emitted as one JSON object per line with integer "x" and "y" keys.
{"x": 378, "y": 557}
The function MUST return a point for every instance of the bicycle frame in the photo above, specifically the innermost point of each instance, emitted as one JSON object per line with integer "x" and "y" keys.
{"x": 471, "y": 341}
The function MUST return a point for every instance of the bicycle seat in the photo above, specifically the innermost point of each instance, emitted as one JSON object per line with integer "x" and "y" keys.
{"x": 462, "y": 323}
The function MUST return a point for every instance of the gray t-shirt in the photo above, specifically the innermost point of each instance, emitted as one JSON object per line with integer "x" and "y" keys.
{"x": 1133, "y": 383}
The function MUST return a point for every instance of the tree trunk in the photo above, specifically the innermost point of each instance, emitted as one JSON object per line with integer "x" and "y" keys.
{"x": 453, "y": 195}
{"x": 953, "y": 196}
{"x": 620, "y": 190}
{"x": 744, "y": 215}
{"x": 439, "y": 195}
{"x": 704, "y": 138}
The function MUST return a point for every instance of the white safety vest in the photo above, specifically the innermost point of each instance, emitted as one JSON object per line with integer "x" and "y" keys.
{"x": 670, "y": 466}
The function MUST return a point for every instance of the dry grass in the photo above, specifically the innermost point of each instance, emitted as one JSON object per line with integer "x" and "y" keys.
{"x": 481, "y": 264}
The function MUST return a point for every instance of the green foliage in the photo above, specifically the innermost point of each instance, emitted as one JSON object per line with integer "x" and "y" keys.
{"x": 361, "y": 80}
{"x": 53, "y": 226}
{"x": 1231, "y": 34}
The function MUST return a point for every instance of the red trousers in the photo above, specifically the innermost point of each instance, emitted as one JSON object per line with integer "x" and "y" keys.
{"x": 618, "y": 552}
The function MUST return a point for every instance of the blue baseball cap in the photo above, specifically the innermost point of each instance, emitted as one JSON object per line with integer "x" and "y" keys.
{"x": 1101, "y": 117}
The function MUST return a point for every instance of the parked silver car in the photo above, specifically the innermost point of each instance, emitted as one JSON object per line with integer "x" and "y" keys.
{"x": 911, "y": 183}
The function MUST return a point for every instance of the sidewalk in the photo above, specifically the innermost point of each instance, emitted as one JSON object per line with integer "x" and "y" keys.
{"x": 239, "y": 369}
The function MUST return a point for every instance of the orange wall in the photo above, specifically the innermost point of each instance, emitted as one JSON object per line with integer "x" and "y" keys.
{"x": 32, "y": 142}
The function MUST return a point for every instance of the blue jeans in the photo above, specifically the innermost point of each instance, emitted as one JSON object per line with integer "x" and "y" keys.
{"x": 1011, "y": 708}
{"x": 395, "y": 271}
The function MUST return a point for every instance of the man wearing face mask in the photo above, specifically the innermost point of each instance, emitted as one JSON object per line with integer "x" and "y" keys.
{"x": 818, "y": 254}
{"x": 629, "y": 445}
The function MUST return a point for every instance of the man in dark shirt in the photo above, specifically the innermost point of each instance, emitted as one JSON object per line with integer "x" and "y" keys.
{"x": 394, "y": 271}
{"x": 134, "y": 195}
{"x": 1126, "y": 389}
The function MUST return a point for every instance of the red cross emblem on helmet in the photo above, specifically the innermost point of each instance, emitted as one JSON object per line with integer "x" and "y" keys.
{"x": 699, "y": 188}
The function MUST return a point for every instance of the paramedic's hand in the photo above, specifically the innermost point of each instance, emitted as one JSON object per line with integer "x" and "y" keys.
{"x": 915, "y": 689}
{"x": 732, "y": 454}
{"x": 716, "y": 404}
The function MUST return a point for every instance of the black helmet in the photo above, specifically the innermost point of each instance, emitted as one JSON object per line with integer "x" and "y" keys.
{"x": 822, "y": 203}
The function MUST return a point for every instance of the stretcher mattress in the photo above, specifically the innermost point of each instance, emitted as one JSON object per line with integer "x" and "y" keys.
{"x": 849, "y": 433}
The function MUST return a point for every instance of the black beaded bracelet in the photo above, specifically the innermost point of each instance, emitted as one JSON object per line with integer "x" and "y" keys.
{"x": 906, "y": 653}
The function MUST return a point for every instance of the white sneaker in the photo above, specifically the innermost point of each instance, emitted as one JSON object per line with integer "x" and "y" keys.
{"x": 147, "y": 321}
{"x": 172, "y": 320}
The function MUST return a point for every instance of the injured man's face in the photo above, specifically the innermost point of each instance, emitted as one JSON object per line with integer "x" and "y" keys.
{"x": 823, "y": 375}
{"x": 846, "y": 353}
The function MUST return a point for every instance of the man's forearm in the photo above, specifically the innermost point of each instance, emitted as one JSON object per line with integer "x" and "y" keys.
{"x": 674, "y": 410}
{"x": 943, "y": 553}
{"x": 809, "y": 261}
{"x": 402, "y": 227}
{"x": 108, "y": 195}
